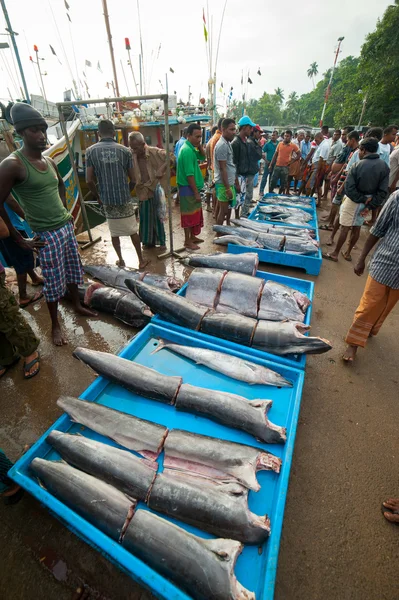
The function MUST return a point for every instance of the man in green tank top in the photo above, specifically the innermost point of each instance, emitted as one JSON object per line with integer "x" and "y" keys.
{"x": 36, "y": 183}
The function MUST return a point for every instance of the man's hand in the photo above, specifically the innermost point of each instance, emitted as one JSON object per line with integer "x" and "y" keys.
{"x": 197, "y": 196}
{"x": 270, "y": 169}
{"x": 99, "y": 200}
{"x": 238, "y": 188}
{"x": 229, "y": 193}
{"x": 31, "y": 243}
{"x": 359, "y": 268}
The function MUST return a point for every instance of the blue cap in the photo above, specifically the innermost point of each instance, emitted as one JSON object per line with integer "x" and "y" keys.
{"x": 245, "y": 121}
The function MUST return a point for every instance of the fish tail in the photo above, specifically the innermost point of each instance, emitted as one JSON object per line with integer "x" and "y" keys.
{"x": 162, "y": 344}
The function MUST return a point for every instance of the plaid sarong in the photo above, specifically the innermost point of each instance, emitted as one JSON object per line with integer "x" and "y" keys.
{"x": 60, "y": 262}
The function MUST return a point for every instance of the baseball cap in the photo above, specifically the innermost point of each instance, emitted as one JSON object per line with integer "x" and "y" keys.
{"x": 258, "y": 128}
{"x": 245, "y": 121}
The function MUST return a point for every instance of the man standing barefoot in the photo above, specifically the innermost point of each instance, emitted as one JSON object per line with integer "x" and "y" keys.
{"x": 35, "y": 182}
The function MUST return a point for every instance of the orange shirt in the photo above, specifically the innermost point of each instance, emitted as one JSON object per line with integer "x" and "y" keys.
{"x": 284, "y": 153}
{"x": 212, "y": 143}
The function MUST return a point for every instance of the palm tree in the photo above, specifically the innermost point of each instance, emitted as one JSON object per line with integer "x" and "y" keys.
{"x": 279, "y": 93}
{"x": 313, "y": 71}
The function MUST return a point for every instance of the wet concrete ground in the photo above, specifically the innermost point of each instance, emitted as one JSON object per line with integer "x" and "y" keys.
{"x": 335, "y": 542}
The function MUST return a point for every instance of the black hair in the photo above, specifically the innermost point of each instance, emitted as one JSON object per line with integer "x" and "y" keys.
{"x": 325, "y": 128}
{"x": 193, "y": 127}
{"x": 374, "y": 132}
{"x": 337, "y": 131}
{"x": 348, "y": 129}
{"x": 390, "y": 129}
{"x": 370, "y": 144}
{"x": 288, "y": 131}
{"x": 106, "y": 127}
{"x": 214, "y": 129}
{"x": 353, "y": 135}
{"x": 227, "y": 122}
{"x": 220, "y": 123}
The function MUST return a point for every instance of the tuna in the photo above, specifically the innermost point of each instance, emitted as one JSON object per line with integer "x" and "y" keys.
{"x": 248, "y": 234}
{"x": 144, "y": 437}
{"x": 277, "y": 212}
{"x": 217, "y": 459}
{"x": 281, "y": 198}
{"x": 232, "y": 327}
{"x": 232, "y": 411}
{"x": 240, "y": 294}
{"x": 242, "y": 263}
{"x": 236, "y": 240}
{"x": 134, "y": 377}
{"x": 101, "y": 504}
{"x": 263, "y": 227}
{"x": 120, "y": 468}
{"x": 229, "y": 365}
{"x": 271, "y": 242}
{"x": 219, "y": 508}
{"x": 115, "y": 277}
{"x": 204, "y": 569}
{"x": 122, "y": 304}
{"x": 287, "y": 338}
{"x": 279, "y": 302}
{"x": 204, "y": 286}
{"x": 307, "y": 247}
{"x": 169, "y": 306}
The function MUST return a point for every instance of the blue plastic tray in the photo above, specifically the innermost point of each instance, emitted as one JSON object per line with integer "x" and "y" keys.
{"x": 256, "y": 571}
{"x": 270, "y": 196}
{"x": 256, "y": 215}
{"x": 297, "y": 361}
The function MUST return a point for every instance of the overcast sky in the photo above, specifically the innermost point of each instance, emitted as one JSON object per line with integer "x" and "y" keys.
{"x": 281, "y": 38}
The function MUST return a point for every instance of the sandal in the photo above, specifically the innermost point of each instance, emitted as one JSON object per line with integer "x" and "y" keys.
{"x": 37, "y": 296}
{"x": 348, "y": 258}
{"x": 326, "y": 227}
{"x": 328, "y": 256}
{"x": 29, "y": 365}
{"x": 7, "y": 367}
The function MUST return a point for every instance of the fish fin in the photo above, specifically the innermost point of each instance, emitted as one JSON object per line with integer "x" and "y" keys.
{"x": 225, "y": 549}
{"x": 263, "y": 404}
{"x": 282, "y": 243}
{"x": 162, "y": 344}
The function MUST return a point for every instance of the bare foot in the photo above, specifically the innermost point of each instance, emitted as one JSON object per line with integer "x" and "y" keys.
{"x": 58, "y": 337}
{"x": 120, "y": 263}
{"x": 162, "y": 247}
{"x": 346, "y": 256}
{"x": 86, "y": 312}
{"x": 196, "y": 240}
{"x": 23, "y": 302}
{"x": 191, "y": 246}
{"x": 393, "y": 506}
{"x": 144, "y": 263}
{"x": 349, "y": 354}
{"x": 330, "y": 243}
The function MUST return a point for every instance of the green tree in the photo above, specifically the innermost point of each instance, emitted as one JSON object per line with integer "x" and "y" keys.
{"x": 291, "y": 108}
{"x": 280, "y": 94}
{"x": 313, "y": 71}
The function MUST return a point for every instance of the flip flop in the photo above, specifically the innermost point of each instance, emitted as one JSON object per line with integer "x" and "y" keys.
{"x": 329, "y": 257}
{"x": 30, "y": 364}
{"x": 348, "y": 258}
{"x": 326, "y": 227}
{"x": 37, "y": 296}
{"x": 7, "y": 367}
{"x": 147, "y": 262}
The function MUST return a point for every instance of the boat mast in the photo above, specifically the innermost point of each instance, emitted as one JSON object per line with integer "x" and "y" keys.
{"x": 14, "y": 43}
{"x": 111, "y": 49}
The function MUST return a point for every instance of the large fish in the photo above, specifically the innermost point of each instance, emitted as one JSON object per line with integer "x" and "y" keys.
{"x": 169, "y": 306}
{"x": 217, "y": 459}
{"x": 247, "y": 234}
{"x": 241, "y": 263}
{"x": 204, "y": 286}
{"x": 232, "y": 411}
{"x": 115, "y": 277}
{"x": 271, "y": 242}
{"x": 280, "y": 302}
{"x": 240, "y": 294}
{"x": 231, "y": 366}
{"x": 122, "y": 304}
{"x": 144, "y": 437}
{"x": 219, "y": 508}
{"x": 264, "y": 227}
{"x": 120, "y": 468}
{"x": 278, "y": 198}
{"x": 301, "y": 246}
{"x": 232, "y": 327}
{"x": 136, "y": 378}
{"x": 287, "y": 338}
{"x": 96, "y": 501}
{"x": 281, "y": 212}
{"x": 224, "y": 240}
{"x": 204, "y": 569}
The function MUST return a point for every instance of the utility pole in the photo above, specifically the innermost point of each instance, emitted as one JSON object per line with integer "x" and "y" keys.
{"x": 328, "y": 90}
{"x": 13, "y": 33}
{"x": 111, "y": 49}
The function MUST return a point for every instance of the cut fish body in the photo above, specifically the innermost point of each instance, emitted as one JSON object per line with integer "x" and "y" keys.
{"x": 169, "y": 306}
{"x": 217, "y": 459}
{"x": 287, "y": 338}
{"x": 300, "y": 246}
{"x": 241, "y": 263}
{"x": 264, "y": 227}
{"x": 231, "y": 410}
{"x": 224, "y": 240}
{"x": 204, "y": 286}
{"x": 132, "y": 311}
{"x": 128, "y": 473}
{"x": 281, "y": 212}
{"x": 115, "y": 277}
{"x": 142, "y": 436}
{"x": 203, "y": 568}
{"x": 229, "y": 365}
{"x": 279, "y": 302}
{"x": 99, "y": 503}
{"x": 240, "y": 294}
{"x": 242, "y": 232}
{"x": 136, "y": 378}
{"x": 219, "y": 508}
{"x": 233, "y": 327}
{"x": 120, "y": 303}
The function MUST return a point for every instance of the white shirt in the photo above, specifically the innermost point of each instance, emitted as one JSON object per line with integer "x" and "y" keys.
{"x": 384, "y": 150}
{"x": 334, "y": 151}
{"x": 321, "y": 151}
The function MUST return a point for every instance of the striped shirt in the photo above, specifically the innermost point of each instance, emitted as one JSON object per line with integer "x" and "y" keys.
{"x": 384, "y": 266}
{"x": 111, "y": 162}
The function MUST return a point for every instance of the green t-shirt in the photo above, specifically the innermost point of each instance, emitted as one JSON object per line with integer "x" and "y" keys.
{"x": 39, "y": 197}
{"x": 187, "y": 165}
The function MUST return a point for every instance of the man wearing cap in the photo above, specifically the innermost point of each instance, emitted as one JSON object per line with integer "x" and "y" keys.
{"x": 35, "y": 182}
{"x": 281, "y": 161}
{"x": 241, "y": 159}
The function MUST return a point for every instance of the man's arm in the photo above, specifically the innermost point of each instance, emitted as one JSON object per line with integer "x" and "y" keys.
{"x": 91, "y": 182}
{"x": 369, "y": 245}
{"x": 191, "y": 183}
{"x": 17, "y": 208}
{"x": 273, "y": 161}
{"x": 61, "y": 184}
{"x": 225, "y": 179}
{"x": 235, "y": 146}
{"x": 382, "y": 191}
{"x": 350, "y": 187}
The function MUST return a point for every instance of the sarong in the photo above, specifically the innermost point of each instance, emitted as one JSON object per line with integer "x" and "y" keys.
{"x": 191, "y": 215}
{"x": 375, "y": 305}
{"x": 350, "y": 214}
{"x": 152, "y": 230}
{"x": 294, "y": 170}
{"x": 121, "y": 219}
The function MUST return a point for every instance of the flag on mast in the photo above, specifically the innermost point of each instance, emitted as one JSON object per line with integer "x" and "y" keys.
{"x": 66, "y": 4}
{"x": 69, "y": 17}
{"x": 205, "y": 29}
{"x": 87, "y": 63}
{"x": 98, "y": 67}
